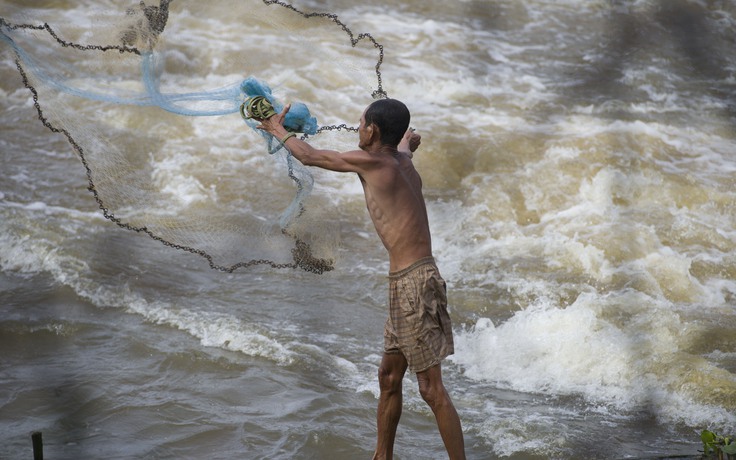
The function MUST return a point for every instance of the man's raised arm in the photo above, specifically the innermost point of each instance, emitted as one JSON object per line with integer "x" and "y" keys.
{"x": 410, "y": 142}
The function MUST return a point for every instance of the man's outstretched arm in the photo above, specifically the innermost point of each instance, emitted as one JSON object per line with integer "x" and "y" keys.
{"x": 354, "y": 161}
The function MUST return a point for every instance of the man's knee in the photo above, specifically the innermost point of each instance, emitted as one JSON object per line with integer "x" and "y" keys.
{"x": 391, "y": 373}
{"x": 430, "y": 393}
{"x": 431, "y": 387}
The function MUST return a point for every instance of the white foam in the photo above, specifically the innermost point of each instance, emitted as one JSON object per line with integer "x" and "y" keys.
{"x": 50, "y": 210}
{"x": 212, "y": 329}
{"x": 510, "y": 431}
{"x": 620, "y": 350}
{"x": 170, "y": 177}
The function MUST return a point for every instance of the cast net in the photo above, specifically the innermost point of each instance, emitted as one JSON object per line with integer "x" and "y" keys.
{"x": 150, "y": 99}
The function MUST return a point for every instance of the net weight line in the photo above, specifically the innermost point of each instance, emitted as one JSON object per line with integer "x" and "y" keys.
{"x": 379, "y": 92}
{"x": 301, "y": 252}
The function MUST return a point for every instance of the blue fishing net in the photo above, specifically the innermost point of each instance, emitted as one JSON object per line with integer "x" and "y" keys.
{"x": 122, "y": 110}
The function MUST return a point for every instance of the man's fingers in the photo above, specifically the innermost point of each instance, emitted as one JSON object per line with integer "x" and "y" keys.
{"x": 266, "y": 124}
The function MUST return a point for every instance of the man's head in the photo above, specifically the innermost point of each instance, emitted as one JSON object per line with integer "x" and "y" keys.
{"x": 391, "y": 119}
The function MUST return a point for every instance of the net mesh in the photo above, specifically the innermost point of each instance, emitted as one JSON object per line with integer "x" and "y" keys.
{"x": 159, "y": 130}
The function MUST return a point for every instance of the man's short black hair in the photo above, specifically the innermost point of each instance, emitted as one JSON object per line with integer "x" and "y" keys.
{"x": 392, "y": 118}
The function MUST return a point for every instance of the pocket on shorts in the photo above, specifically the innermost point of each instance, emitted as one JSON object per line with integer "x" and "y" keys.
{"x": 434, "y": 295}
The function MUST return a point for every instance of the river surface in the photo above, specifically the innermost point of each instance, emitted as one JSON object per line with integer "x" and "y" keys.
{"x": 579, "y": 168}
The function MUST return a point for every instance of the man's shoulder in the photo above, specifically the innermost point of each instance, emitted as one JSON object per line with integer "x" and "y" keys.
{"x": 356, "y": 153}
{"x": 372, "y": 159}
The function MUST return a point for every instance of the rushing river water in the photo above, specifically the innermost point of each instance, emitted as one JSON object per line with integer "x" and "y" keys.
{"x": 579, "y": 169}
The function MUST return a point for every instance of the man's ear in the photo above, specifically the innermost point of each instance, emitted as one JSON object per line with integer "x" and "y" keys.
{"x": 374, "y": 133}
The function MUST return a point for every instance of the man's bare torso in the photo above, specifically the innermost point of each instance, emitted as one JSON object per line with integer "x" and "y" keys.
{"x": 393, "y": 194}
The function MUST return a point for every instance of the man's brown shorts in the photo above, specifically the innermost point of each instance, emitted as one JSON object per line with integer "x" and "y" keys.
{"x": 418, "y": 325}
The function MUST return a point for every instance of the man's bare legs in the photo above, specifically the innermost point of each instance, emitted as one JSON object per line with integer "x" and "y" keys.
{"x": 433, "y": 391}
{"x": 390, "y": 375}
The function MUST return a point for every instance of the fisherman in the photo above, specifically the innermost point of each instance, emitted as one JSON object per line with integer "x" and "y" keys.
{"x": 418, "y": 333}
